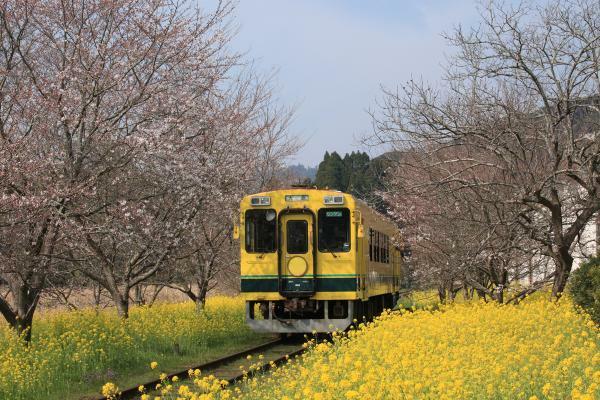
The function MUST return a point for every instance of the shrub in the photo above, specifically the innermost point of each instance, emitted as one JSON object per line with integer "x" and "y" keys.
{"x": 585, "y": 287}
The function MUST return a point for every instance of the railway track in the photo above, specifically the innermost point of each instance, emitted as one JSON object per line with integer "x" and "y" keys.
{"x": 227, "y": 368}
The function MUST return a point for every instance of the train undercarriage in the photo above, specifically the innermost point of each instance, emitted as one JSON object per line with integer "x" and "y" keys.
{"x": 299, "y": 315}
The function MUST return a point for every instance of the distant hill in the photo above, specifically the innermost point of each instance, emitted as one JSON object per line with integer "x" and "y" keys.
{"x": 302, "y": 172}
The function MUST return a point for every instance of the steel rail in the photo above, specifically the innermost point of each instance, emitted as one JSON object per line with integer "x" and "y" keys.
{"x": 133, "y": 392}
{"x": 267, "y": 366}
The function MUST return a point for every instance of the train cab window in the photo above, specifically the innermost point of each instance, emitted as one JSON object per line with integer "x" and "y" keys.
{"x": 260, "y": 231}
{"x": 334, "y": 230}
{"x": 297, "y": 237}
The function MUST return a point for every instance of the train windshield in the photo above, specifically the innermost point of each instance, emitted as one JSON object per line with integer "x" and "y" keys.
{"x": 297, "y": 237}
{"x": 334, "y": 229}
{"x": 261, "y": 226}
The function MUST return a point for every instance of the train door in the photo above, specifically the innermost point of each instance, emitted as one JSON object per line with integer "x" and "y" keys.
{"x": 360, "y": 251}
{"x": 296, "y": 263}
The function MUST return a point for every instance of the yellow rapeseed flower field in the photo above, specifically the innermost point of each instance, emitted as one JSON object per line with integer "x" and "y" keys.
{"x": 535, "y": 350}
{"x": 70, "y": 348}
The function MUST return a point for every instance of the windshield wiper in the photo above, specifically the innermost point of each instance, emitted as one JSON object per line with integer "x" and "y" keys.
{"x": 332, "y": 253}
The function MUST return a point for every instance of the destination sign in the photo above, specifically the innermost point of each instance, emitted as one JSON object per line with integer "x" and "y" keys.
{"x": 296, "y": 197}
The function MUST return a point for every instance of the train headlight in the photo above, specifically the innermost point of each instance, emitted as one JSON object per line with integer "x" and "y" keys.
{"x": 270, "y": 215}
{"x": 333, "y": 200}
{"x": 260, "y": 201}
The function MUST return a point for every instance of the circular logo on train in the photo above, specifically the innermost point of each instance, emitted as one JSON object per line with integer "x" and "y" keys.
{"x": 297, "y": 266}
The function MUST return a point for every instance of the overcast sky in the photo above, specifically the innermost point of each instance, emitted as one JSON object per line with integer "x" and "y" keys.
{"x": 333, "y": 56}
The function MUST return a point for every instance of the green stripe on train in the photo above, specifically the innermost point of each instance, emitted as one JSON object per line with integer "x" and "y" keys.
{"x": 322, "y": 284}
{"x": 265, "y": 276}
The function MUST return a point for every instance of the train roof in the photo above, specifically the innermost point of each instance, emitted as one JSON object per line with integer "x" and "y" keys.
{"x": 298, "y": 189}
{"x": 308, "y": 190}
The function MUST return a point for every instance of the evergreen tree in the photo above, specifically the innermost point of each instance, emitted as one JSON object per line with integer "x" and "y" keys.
{"x": 358, "y": 179}
{"x": 356, "y": 174}
{"x": 331, "y": 172}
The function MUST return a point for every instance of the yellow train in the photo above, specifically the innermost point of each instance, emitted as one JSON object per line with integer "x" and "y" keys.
{"x": 313, "y": 260}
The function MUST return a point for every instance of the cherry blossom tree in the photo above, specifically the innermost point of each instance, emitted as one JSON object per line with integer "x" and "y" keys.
{"x": 119, "y": 122}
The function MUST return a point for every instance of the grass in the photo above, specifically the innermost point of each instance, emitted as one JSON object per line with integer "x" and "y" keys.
{"x": 73, "y": 353}
{"x": 418, "y": 300}
{"x": 168, "y": 363}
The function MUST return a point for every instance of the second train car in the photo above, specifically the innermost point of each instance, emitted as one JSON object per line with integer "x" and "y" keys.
{"x": 314, "y": 260}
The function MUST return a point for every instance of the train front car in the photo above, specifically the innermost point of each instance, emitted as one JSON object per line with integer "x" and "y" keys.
{"x": 305, "y": 262}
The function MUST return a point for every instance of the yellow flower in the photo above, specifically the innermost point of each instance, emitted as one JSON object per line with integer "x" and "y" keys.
{"x": 110, "y": 390}
{"x": 153, "y": 364}
{"x": 422, "y": 354}
{"x": 512, "y": 352}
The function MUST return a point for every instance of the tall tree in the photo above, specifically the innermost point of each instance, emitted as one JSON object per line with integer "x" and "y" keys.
{"x": 520, "y": 98}
{"x": 331, "y": 172}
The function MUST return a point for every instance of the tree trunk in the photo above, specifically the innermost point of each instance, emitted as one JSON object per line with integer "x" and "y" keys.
{"x": 23, "y": 327}
{"x": 453, "y": 293}
{"x": 442, "y": 293}
{"x": 26, "y": 300}
{"x": 481, "y": 294}
{"x": 139, "y": 296}
{"x": 200, "y": 305}
{"x": 97, "y": 290}
{"x": 530, "y": 275}
{"x": 597, "y": 252}
{"x": 121, "y": 301}
{"x": 20, "y": 317}
{"x": 122, "y": 305}
{"x": 564, "y": 263}
{"x": 201, "y": 298}
{"x": 499, "y": 296}
{"x": 467, "y": 293}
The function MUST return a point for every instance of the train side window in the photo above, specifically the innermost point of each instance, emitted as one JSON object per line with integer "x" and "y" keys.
{"x": 380, "y": 244}
{"x": 377, "y": 254}
{"x": 383, "y": 248}
{"x": 260, "y": 231}
{"x": 385, "y": 259}
{"x": 370, "y": 244}
{"x": 374, "y": 245}
{"x": 377, "y": 247}
{"x": 387, "y": 249}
